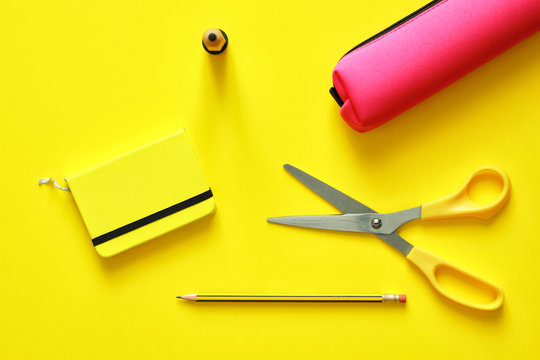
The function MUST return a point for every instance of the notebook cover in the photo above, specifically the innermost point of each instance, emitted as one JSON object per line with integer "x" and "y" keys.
{"x": 142, "y": 194}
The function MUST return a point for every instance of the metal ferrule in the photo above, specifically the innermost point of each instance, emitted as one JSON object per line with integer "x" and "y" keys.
{"x": 390, "y": 298}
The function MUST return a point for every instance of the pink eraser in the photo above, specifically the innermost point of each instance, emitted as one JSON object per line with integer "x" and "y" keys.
{"x": 402, "y": 298}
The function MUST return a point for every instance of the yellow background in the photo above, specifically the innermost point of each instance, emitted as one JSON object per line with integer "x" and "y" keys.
{"x": 84, "y": 81}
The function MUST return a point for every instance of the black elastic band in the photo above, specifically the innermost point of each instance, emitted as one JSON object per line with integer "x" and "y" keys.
{"x": 153, "y": 217}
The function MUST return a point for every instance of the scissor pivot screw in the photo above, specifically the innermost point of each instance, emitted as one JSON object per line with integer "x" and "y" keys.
{"x": 376, "y": 223}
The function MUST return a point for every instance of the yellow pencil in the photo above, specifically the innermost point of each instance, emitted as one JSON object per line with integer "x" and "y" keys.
{"x": 371, "y": 298}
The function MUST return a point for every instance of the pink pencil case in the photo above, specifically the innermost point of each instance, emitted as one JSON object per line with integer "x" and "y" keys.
{"x": 425, "y": 52}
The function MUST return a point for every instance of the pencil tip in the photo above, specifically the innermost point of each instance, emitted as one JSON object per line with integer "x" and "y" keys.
{"x": 191, "y": 297}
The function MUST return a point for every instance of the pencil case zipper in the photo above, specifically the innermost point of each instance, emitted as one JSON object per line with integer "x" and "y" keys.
{"x": 398, "y": 23}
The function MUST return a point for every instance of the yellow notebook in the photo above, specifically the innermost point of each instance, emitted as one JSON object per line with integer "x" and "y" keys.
{"x": 141, "y": 195}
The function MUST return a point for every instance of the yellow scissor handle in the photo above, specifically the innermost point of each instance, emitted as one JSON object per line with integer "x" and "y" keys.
{"x": 431, "y": 265}
{"x": 460, "y": 203}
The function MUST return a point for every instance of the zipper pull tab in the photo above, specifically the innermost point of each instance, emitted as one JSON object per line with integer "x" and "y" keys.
{"x": 336, "y": 97}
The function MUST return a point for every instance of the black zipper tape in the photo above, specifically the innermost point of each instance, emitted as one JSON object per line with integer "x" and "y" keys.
{"x": 412, "y": 15}
{"x": 396, "y": 24}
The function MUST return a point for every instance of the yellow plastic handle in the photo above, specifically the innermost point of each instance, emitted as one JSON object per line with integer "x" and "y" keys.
{"x": 460, "y": 204}
{"x": 431, "y": 264}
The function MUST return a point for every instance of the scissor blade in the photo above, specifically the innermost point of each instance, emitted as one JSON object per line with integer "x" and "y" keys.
{"x": 346, "y": 204}
{"x": 397, "y": 242}
{"x": 388, "y": 223}
{"x": 345, "y": 222}
{"x": 335, "y": 197}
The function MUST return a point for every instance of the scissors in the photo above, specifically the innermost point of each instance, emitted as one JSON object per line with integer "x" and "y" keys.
{"x": 358, "y": 217}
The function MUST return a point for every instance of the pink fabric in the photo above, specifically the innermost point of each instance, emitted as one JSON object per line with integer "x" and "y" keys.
{"x": 403, "y": 67}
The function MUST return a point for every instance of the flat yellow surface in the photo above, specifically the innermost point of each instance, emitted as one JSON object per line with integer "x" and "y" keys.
{"x": 82, "y": 82}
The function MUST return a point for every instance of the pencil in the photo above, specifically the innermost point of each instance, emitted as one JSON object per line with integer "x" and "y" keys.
{"x": 371, "y": 298}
